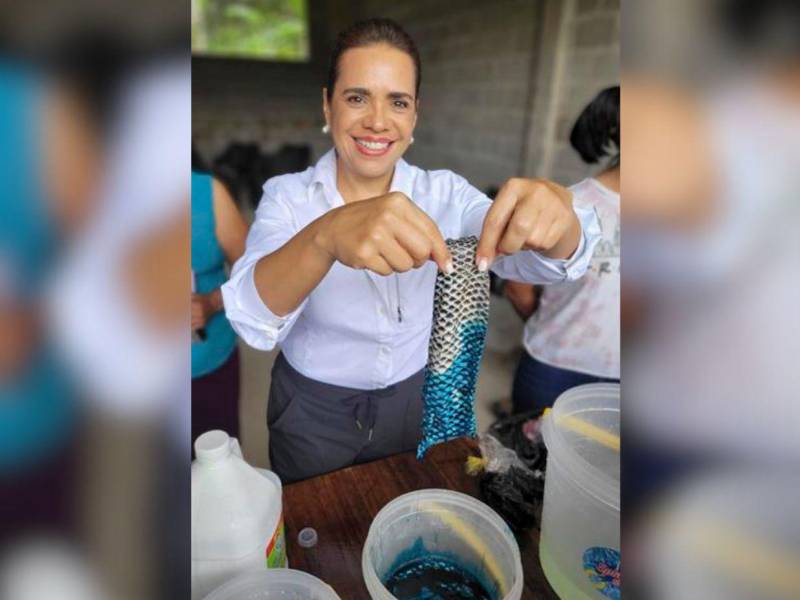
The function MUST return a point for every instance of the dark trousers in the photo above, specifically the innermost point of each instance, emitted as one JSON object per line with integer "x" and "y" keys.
{"x": 537, "y": 384}
{"x": 316, "y": 427}
{"x": 215, "y": 400}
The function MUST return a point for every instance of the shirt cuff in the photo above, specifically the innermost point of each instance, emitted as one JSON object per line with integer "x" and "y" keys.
{"x": 574, "y": 267}
{"x": 247, "y": 311}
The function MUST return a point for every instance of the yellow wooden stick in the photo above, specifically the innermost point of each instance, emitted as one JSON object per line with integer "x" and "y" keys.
{"x": 466, "y": 533}
{"x": 599, "y": 435}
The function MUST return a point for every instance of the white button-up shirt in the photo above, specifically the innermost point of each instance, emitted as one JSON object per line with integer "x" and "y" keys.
{"x": 359, "y": 329}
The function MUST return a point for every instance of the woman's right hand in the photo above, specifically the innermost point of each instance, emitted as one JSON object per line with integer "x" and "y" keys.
{"x": 387, "y": 234}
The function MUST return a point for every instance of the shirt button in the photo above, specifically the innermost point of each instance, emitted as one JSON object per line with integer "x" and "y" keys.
{"x": 384, "y": 350}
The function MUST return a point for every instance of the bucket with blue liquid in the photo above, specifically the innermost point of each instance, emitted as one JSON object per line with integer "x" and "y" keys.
{"x": 441, "y": 544}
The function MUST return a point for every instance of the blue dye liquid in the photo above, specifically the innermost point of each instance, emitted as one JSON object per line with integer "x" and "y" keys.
{"x": 435, "y": 577}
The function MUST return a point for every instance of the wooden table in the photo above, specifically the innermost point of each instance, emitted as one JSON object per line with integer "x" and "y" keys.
{"x": 342, "y": 504}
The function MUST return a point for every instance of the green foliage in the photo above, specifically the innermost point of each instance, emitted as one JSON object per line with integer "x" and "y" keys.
{"x": 273, "y": 29}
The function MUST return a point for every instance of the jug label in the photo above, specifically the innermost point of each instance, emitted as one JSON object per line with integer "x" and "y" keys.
{"x": 276, "y": 549}
{"x": 602, "y": 566}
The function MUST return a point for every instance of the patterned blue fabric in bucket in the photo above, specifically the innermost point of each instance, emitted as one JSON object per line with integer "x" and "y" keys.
{"x": 460, "y": 318}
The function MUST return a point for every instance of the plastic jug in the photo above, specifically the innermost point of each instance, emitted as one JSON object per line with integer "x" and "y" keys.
{"x": 579, "y": 545}
{"x": 237, "y": 515}
{"x": 446, "y": 523}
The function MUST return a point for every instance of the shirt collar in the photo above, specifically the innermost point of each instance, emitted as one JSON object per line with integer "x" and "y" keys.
{"x": 325, "y": 176}
{"x": 403, "y": 179}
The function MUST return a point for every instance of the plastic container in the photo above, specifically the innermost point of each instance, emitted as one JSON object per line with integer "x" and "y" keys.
{"x": 237, "y": 515}
{"x": 282, "y": 584}
{"x": 444, "y": 522}
{"x": 579, "y": 546}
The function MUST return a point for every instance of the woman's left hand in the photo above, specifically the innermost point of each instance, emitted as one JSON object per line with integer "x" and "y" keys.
{"x": 203, "y": 307}
{"x": 529, "y": 214}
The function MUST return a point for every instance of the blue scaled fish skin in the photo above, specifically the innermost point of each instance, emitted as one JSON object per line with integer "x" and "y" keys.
{"x": 458, "y": 335}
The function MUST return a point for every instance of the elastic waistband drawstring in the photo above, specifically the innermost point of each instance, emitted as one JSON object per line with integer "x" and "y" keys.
{"x": 364, "y": 413}
{"x": 365, "y": 409}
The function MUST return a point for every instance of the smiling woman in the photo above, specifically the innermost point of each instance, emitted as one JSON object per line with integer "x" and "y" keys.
{"x": 371, "y": 115}
{"x": 378, "y": 71}
{"x": 342, "y": 259}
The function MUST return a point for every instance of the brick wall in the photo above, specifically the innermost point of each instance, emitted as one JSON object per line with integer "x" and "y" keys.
{"x": 249, "y": 101}
{"x": 591, "y": 64}
{"x": 267, "y": 102}
{"x": 502, "y": 83}
{"x": 476, "y": 58}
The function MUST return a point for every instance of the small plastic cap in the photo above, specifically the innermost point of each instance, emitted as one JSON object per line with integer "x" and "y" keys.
{"x": 307, "y": 538}
{"x": 212, "y": 446}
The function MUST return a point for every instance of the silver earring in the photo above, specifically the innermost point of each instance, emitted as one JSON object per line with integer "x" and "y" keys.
{"x": 326, "y": 129}
{"x": 412, "y": 140}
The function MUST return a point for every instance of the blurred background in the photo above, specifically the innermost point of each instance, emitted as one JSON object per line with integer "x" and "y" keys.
{"x": 94, "y": 344}
{"x": 711, "y": 452}
{"x": 502, "y": 85}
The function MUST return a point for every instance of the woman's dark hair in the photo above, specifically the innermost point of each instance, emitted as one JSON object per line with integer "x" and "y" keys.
{"x": 366, "y": 33}
{"x": 596, "y": 132}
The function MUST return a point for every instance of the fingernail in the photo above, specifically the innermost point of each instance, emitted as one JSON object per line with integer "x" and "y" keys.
{"x": 448, "y": 267}
{"x": 483, "y": 264}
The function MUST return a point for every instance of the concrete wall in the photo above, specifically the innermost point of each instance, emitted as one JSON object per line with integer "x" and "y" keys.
{"x": 589, "y": 48}
{"x": 267, "y": 102}
{"x": 476, "y": 59}
{"x": 502, "y": 83}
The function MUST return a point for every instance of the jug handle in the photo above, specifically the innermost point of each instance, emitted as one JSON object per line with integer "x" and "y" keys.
{"x": 235, "y": 447}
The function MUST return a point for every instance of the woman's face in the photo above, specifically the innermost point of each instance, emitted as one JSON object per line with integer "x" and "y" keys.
{"x": 373, "y": 110}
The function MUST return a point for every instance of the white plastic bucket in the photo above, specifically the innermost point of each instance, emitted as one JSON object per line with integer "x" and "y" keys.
{"x": 579, "y": 546}
{"x": 274, "y": 584}
{"x": 445, "y": 522}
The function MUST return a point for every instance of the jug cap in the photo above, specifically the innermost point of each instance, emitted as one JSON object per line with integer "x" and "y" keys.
{"x": 212, "y": 446}
{"x": 307, "y": 538}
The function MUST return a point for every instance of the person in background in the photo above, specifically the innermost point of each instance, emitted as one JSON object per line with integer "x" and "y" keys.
{"x": 218, "y": 237}
{"x": 39, "y": 410}
{"x": 573, "y": 336}
{"x": 54, "y": 118}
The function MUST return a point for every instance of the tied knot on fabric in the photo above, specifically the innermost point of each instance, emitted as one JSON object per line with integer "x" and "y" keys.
{"x": 365, "y": 408}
